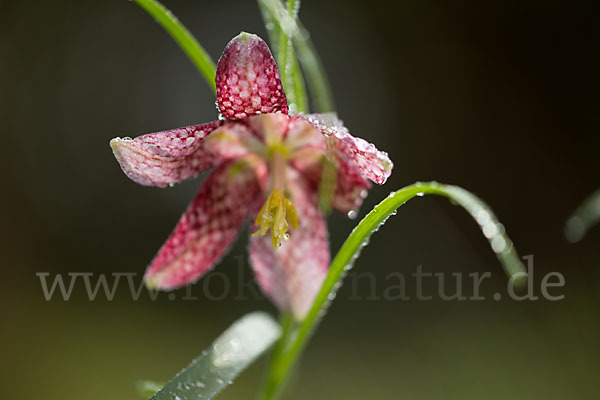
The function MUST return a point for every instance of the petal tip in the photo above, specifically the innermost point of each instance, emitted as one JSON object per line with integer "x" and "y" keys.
{"x": 152, "y": 282}
{"x": 247, "y": 79}
{"x": 245, "y": 36}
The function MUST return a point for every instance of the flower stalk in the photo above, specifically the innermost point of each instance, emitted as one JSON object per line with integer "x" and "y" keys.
{"x": 281, "y": 366}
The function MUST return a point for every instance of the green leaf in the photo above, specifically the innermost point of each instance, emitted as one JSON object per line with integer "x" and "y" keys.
{"x": 307, "y": 54}
{"x": 217, "y": 366}
{"x": 584, "y": 217}
{"x": 184, "y": 39}
{"x": 359, "y": 237}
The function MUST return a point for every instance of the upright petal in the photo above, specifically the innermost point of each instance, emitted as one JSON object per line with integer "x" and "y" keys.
{"x": 247, "y": 79}
{"x": 208, "y": 227}
{"x": 292, "y": 275}
{"x": 372, "y": 163}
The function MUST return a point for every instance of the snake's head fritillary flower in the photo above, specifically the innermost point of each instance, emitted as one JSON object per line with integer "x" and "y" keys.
{"x": 266, "y": 165}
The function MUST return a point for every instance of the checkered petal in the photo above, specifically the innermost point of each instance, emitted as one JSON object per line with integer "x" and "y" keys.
{"x": 371, "y": 162}
{"x": 208, "y": 227}
{"x": 163, "y": 158}
{"x": 292, "y": 275}
{"x": 247, "y": 79}
{"x": 311, "y": 146}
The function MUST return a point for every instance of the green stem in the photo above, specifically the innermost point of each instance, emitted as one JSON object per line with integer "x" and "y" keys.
{"x": 359, "y": 237}
{"x": 287, "y": 322}
{"x": 291, "y": 74}
{"x": 307, "y": 54}
{"x": 271, "y": 384}
{"x": 184, "y": 39}
{"x": 299, "y": 87}
{"x": 282, "y": 56}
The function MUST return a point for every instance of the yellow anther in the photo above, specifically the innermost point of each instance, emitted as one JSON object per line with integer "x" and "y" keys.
{"x": 277, "y": 214}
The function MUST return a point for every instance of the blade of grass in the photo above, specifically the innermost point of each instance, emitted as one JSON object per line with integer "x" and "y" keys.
{"x": 584, "y": 217}
{"x": 293, "y": 80}
{"x": 217, "y": 366}
{"x": 307, "y": 54}
{"x": 299, "y": 86}
{"x": 285, "y": 52}
{"x": 272, "y": 27}
{"x": 184, "y": 39}
{"x": 359, "y": 237}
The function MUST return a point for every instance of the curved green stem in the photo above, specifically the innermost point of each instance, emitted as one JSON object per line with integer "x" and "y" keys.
{"x": 184, "y": 39}
{"x": 359, "y": 237}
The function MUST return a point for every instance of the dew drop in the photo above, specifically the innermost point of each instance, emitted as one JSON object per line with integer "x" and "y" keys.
{"x": 498, "y": 244}
{"x": 490, "y": 229}
{"x": 352, "y": 214}
{"x": 482, "y": 217}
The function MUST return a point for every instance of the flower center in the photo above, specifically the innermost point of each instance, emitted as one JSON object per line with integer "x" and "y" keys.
{"x": 278, "y": 212}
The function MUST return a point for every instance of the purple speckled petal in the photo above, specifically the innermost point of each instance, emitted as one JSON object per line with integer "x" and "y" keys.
{"x": 208, "y": 227}
{"x": 292, "y": 275}
{"x": 162, "y": 158}
{"x": 247, "y": 79}
{"x": 307, "y": 157}
{"x": 372, "y": 163}
{"x": 350, "y": 187}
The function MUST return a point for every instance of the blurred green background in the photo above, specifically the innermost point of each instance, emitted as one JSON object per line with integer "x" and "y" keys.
{"x": 500, "y": 97}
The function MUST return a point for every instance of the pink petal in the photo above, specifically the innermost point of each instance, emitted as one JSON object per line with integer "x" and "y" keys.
{"x": 292, "y": 275}
{"x": 163, "y": 158}
{"x": 247, "y": 79}
{"x": 372, "y": 163}
{"x": 350, "y": 187}
{"x": 269, "y": 127}
{"x": 208, "y": 227}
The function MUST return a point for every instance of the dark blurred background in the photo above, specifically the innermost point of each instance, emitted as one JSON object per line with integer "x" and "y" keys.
{"x": 500, "y": 97}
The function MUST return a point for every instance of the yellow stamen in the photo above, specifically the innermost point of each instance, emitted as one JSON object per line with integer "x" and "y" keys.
{"x": 277, "y": 214}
